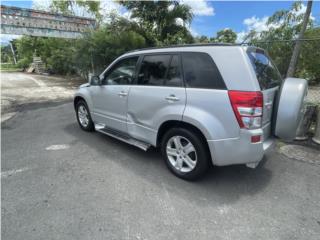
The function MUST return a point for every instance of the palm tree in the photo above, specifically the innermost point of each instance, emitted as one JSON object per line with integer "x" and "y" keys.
{"x": 160, "y": 17}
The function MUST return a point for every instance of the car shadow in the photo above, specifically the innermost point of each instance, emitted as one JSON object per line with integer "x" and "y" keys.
{"x": 220, "y": 184}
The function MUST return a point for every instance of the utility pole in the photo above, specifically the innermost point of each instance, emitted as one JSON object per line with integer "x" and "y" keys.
{"x": 297, "y": 46}
{"x": 13, "y": 53}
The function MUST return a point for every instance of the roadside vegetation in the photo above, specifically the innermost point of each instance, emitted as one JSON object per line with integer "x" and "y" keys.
{"x": 161, "y": 23}
{"x": 9, "y": 67}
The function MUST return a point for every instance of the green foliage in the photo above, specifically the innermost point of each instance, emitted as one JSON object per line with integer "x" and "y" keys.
{"x": 67, "y": 6}
{"x": 309, "y": 61}
{"x": 24, "y": 62}
{"x": 58, "y": 55}
{"x": 156, "y": 26}
{"x": 159, "y": 20}
{"x": 55, "y": 53}
{"x": 95, "y": 51}
{"x": 202, "y": 39}
{"x": 285, "y": 25}
{"x": 26, "y": 47}
{"x": 6, "y": 54}
{"x": 9, "y": 67}
{"x": 223, "y": 36}
{"x": 226, "y": 36}
{"x": 101, "y": 47}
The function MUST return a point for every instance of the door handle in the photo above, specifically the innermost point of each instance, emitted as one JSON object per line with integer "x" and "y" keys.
{"x": 172, "y": 98}
{"x": 122, "y": 94}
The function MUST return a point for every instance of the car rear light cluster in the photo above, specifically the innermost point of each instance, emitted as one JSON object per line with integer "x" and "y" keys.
{"x": 247, "y": 107}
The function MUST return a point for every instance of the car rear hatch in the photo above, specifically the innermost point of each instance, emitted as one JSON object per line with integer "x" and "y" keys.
{"x": 269, "y": 80}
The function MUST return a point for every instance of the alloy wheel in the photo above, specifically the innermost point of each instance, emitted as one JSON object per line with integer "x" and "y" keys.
{"x": 83, "y": 116}
{"x": 181, "y": 153}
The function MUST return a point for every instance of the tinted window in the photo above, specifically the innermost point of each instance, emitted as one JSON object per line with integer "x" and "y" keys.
{"x": 201, "y": 72}
{"x": 267, "y": 74}
{"x": 174, "y": 77}
{"x": 153, "y": 70}
{"x": 122, "y": 73}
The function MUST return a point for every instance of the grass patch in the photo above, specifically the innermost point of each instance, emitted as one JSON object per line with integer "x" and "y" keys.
{"x": 9, "y": 67}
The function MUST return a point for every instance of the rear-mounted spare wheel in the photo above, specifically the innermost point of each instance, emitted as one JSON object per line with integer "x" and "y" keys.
{"x": 290, "y": 107}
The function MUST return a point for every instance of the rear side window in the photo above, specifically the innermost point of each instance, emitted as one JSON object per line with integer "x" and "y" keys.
{"x": 266, "y": 72}
{"x": 153, "y": 70}
{"x": 200, "y": 71}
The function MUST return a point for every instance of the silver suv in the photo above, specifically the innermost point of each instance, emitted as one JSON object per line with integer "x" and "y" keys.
{"x": 200, "y": 103}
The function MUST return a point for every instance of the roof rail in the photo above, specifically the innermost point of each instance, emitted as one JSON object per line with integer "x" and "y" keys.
{"x": 187, "y": 45}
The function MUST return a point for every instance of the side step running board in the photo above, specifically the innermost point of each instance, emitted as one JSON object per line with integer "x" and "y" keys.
{"x": 122, "y": 137}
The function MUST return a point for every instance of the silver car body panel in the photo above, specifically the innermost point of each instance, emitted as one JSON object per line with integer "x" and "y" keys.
{"x": 84, "y": 93}
{"x": 145, "y": 108}
{"x": 110, "y": 105}
{"x": 211, "y": 112}
{"x": 150, "y": 106}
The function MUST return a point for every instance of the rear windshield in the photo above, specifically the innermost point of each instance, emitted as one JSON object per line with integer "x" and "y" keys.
{"x": 266, "y": 72}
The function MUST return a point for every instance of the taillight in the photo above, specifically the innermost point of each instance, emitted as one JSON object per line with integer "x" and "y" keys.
{"x": 247, "y": 107}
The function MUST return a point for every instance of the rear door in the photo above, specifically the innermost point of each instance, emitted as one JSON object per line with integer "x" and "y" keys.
{"x": 269, "y": 80}
{"x": 283, "y": 100}
{"x": 157, "y": 96}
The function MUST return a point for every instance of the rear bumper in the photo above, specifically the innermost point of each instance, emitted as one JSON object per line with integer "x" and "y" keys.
{"x": 239, "y": 150}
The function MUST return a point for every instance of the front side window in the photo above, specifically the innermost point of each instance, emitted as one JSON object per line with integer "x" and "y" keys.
{"x": 122, "y": 73}
{"x": 153, "y": 70}
{"x": 201, "y": 72}
{"x": 267, "y": 74}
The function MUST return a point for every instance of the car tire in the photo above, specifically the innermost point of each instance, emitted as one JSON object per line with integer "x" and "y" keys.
{"x": 190, "y": 159}
{"x": 84, "y": 117}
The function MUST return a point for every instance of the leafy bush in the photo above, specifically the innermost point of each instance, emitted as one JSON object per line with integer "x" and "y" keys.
{"x": 54, "y": 52}
{"x": 99, "y": 48}
{"x": 24, "y": 62}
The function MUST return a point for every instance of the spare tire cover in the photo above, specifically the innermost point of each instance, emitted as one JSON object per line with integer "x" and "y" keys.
{"x": 290, "y": 107}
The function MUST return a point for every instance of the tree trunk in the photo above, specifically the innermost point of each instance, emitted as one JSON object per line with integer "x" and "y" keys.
{"x": 296, "y": 50}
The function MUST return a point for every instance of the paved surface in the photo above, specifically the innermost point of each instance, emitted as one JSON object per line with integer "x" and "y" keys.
{"x": 302, "y": 153}
{"x": 59, "y": 182}
{"x": 313, "y": 94}
{"x": 20, "y": 90}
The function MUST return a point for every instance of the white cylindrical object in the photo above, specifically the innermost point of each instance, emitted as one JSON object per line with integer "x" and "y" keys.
{"x": 316, "y": 137}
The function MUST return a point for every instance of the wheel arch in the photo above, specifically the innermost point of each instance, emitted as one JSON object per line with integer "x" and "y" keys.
{"x": 77, "y": 99}
{"x": 84, "y": 95}
{"x": 165, "y": 126}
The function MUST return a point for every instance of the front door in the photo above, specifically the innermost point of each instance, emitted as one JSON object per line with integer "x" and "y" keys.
{"x": 110, "y": 98}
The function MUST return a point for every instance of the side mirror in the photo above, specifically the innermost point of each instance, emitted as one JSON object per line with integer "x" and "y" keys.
{"x": 95, "y": 80}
